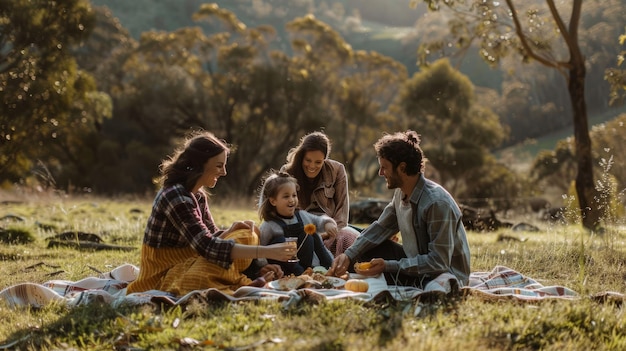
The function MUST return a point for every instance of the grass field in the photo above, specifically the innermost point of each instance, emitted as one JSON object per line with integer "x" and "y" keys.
{"x": 558, "y": 255}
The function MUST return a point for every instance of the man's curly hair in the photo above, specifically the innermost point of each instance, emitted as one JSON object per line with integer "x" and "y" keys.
{"x": 402, "y": 147}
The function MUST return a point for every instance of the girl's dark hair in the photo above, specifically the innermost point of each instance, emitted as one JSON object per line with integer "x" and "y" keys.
{"x": 402, "y": 147}
{"x": 315, "y": 141}
{"x": 271, "y": 185}
{"x": 186, "y": 165}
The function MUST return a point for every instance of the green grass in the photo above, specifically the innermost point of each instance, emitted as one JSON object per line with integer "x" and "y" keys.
{"x": 558, "y": 255}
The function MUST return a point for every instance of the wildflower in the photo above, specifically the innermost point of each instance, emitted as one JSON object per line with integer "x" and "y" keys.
{"x": 310, "y": 229}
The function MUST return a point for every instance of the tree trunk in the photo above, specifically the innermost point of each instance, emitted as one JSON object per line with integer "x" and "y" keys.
{"x": 585, "y": 187}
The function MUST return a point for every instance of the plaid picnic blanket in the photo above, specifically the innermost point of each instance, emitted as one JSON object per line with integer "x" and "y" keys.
{"x": 505, "y": 283}
{"x": 501, "y": 283}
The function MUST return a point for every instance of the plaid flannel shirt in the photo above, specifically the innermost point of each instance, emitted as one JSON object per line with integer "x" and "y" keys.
{"x": 180, "y": 218}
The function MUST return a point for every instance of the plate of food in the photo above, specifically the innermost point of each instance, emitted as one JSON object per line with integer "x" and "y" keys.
{"x": 312, "y": 281}
{"x": 335, "y": 282}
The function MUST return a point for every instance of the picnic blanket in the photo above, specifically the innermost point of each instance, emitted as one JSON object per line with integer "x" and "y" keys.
{"x": 501, "y": 283}
{"x": 505, "y": 283}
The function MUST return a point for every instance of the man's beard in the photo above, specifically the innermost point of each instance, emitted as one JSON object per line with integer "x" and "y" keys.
{"x": 393, "y": 181}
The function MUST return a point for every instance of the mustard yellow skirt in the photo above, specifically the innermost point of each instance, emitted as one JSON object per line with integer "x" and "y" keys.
{"x": 182, "y": 270}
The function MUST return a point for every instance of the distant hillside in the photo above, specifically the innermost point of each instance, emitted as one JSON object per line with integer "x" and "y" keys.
{"x": 141, "y": 15}
{"x": 384, "y": 24}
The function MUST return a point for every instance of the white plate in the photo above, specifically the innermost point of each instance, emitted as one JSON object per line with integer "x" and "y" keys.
{"x": 336, "y": 282}
{"x": 273, "y": 285}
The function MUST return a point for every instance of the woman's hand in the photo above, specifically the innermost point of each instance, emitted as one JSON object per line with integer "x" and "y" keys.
{"x": 331, "y": 230}
{"x": 340, "y": 266}
{"x": 248, "y": 224}
{"x": 271, "y": 268}
{"x": 279, "y": 252}
{"x": 374, "y": 268}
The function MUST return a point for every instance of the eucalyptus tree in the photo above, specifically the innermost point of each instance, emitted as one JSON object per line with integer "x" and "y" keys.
{"x": 227, "y": 81}
{"x": 616, "y": 76}
{"x": 363, "y": 108}
{"x": 83, "y": 153}
{"x": 558, "y": 166}
{"x": 39, "y": 79}
{"x": 457, "y": 132}
{"x": 359, "y": 90}
{"x": 540, "y": 34}
{"x": 269, "y": 98}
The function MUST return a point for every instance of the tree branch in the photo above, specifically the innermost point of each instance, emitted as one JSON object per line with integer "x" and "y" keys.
{"x": 520, "y": 33}
{"x": 570, "y": 36}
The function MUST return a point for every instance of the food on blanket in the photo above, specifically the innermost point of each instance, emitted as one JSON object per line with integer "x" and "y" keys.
{"x": 357, "y": 285}
{"x": 291, "y": 283}
{"x": 362, "y": 266}
{"x": 318, "y": 277}
{"x": 320, "y": 269}
{"x": 312, "y": 280}
{"x": 323, "y": 280}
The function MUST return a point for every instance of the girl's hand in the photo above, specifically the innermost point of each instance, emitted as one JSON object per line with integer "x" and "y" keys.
{"x": 273, "y": 268}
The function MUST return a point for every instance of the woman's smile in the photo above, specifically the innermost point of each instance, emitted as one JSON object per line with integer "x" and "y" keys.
{"x": 312, "y": 163}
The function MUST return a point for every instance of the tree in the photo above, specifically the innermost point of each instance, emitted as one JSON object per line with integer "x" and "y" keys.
{"x": 39, "y": 78}
{"x": 358, "y": 89}
{"x": 457, "y": 132}
{"x": 617, "y": 76}
{"x": 497, "y": 185}
{"x": 228, "y": 82}
{"x": 499, "y": 30}
{"x": 367, "y": 91}
{"x": 556, "y": 167}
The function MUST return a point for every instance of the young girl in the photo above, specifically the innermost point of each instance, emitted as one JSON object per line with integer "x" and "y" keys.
{"x": 183, "y": 249}
{"x": 281, "y": 218}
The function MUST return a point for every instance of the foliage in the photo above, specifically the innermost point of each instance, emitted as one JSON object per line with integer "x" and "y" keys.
{"x": 458, "y": 133}
{"x": 555, "y": 168}
{"x": 44, "y": 94}
{"x": 231, "y": 82}
{"x": 260, "y": 74}
{"x": 616, "y": 76}
{"x": 359, "y": 90}
{"x": 397, "y": 31}
{"x": 555, "y": 256}
{"x": 497, "y": 186}
{"x": 540, "y": 34}
{"x": 533, "y": 99}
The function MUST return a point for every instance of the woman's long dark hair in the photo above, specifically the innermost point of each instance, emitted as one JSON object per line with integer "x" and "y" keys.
{"x": 316, "y": 141}
{"x": 186, "y": 165}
